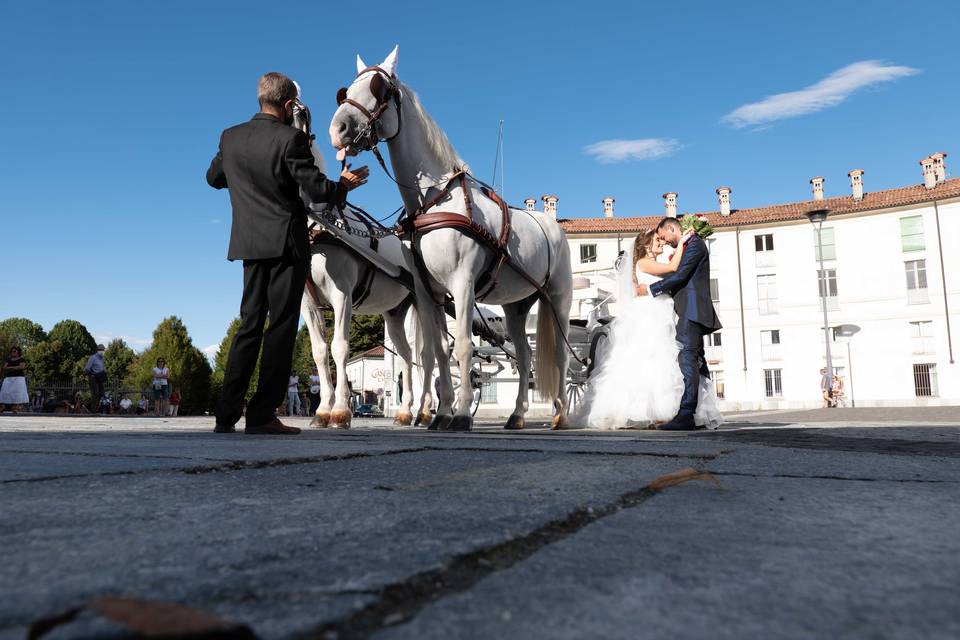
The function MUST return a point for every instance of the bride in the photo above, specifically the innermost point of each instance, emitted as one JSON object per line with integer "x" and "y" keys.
{"x": 638, "y": 381}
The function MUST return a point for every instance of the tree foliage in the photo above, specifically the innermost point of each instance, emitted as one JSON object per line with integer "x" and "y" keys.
{"x": 189, "y": 370}
{"x": 23, "y": 332}
{"x": 119, "y": 359}
{"x": 46, "y": 364}
{"x": 76, "y": 345}
{"x": 366, "y": 332}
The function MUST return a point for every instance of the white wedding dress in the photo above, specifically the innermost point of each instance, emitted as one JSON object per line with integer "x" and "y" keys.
{"x": 638, "y": 380}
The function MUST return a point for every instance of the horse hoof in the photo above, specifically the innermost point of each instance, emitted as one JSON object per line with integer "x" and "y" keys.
{"x": 340, "y": 419}
{"x": 514, "y": 423}
{"x": 559, "y": 423}
{"x": 320, "y": 420}
{"x": 403, "y": 419}
{"x": 439, "y": 423}
{"x": 423, "y": 418}
{"x": 459, "y": 423}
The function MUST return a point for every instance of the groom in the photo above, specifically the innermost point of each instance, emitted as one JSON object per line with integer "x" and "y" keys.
{"x": 690, "y": 288}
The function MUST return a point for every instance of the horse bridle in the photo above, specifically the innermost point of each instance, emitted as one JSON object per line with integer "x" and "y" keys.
{"x": 384, "y": 88}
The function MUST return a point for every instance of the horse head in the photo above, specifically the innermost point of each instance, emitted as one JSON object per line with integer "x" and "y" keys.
{"x": 368, "y": 111}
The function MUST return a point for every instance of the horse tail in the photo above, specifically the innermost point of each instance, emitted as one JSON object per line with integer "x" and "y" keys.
{"x": 546, "y": 371}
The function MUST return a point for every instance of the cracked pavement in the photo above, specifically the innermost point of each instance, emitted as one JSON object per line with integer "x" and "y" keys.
{"x": 842, "y": 524}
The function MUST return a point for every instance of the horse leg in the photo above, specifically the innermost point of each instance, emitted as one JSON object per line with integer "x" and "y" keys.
{"x": 515, "y": 319}
{"x": 393, "y": 320}
{"x": 313, "y": 318}
{"x": 424, "y": 349}
{"x": 463, "y": 299}
{"x": 560, "y": 293}
{"x": 341, "y": 416}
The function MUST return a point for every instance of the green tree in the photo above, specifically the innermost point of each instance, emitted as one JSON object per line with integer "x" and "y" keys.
{"x": 25, "y": 333}
{"x": 189, "y": 369}
{"x": 76, "y": 345}
{"x": 303, "y": 355}
{"x": 7, "y": 340}
{"x": 46, "y": 364}
{"x": 119, "y": 359}
{"x": 366, "y": 332}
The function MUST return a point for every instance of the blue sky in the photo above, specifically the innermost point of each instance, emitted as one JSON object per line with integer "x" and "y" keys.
{"x": 112, "y": 111}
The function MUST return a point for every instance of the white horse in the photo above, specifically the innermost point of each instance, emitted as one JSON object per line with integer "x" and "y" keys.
{"x": 378, "y": 107}
{"x": 336, "y": 272}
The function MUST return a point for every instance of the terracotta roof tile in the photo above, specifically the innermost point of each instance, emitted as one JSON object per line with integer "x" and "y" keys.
{"x": 839, "y": 205}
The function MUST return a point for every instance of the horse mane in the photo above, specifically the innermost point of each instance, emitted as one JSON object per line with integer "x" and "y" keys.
{"x": 437, "y": 140}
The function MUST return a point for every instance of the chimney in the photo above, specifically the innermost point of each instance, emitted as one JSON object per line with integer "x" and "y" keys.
{"x": 723, "y": 194}
{"x": 608, "y": 207}
{"x": 530, "y": 203}
{"x": 670, "y": 204}
{"x": 929, "y": 173}
{"x": 856, "y": 183}
{"x": 550, "y": 205}
{"x": 939, "y": 168}
{"x": 817, "y": 183}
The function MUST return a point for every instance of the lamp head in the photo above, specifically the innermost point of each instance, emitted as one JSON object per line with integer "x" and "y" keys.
{"x": 817, "y": 216}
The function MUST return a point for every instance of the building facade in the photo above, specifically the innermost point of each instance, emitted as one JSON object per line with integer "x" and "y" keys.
{"x": 890, "y": 282}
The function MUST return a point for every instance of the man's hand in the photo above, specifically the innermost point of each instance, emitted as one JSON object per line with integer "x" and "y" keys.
{"x": 642, "y": 290}
{"x": 352, "y": 179}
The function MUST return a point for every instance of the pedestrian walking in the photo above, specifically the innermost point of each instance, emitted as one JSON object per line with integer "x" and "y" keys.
{"x": 837, "y": 390}
{"x": 161, "y": 387}
{"x": 265, "y": 163}
{"x": 314, "y": 391}
{"x": 826, "y": 388}
{"x": 13, "y": 392}
{"x": 96, "y": 371}
{"x": 293, "y": 395}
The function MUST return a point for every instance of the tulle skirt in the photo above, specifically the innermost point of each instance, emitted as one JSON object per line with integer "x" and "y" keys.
{"x": 637, "y": 380}
{"x": 14, "y": 391}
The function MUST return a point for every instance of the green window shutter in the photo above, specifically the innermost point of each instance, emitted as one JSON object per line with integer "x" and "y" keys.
{"x": 911, "y": 233}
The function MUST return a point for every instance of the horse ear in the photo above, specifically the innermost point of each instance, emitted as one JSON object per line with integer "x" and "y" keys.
{"x": 390, "y": 64}
{"x": 361, "y": 65}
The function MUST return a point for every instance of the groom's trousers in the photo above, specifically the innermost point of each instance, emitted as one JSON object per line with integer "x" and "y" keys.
{"x": 693, "y": 364}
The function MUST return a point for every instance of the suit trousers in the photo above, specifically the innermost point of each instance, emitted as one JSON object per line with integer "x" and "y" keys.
{"x": 271, "y": 287}
{"x": 693, "y": 364}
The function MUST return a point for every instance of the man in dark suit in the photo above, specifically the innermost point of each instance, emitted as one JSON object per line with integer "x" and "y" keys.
{"x": 266, "y": 163}
{"x": 690, "y": 288}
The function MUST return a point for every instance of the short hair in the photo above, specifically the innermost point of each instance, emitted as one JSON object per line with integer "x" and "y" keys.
{"x": 274, "y": 89}
{"x": 668, "y": 222}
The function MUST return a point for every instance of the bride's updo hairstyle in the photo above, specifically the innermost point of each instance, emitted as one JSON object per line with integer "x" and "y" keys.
{"x": 642, "y": 249}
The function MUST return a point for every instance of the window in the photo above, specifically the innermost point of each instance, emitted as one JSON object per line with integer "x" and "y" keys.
{"x": 916, "y": 281}
{"x": 715, "y": 290}
{"x": 767, "y": 293}
{"x": 911, "y": 233}
{"x": 764, "y": 249}
{"x": 770, "y": 344}
{"x": 828, "y": 287}
{"x": 718, "y": 384}
{"x": 712, "y": 247}
{"x": 772, "y": 383}
{"x": 921, "y": 333}
{"x": 588, "y": 253}
{"x": 711, "y": 344}
{"x": 925, "y": 380}
{"x": 829, "y": 245}
{"x": 488, "y": 393}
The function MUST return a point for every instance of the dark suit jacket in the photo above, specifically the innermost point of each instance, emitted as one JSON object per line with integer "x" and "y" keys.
{"x": 265, "y": 163}
{"x": 690, "y": 286}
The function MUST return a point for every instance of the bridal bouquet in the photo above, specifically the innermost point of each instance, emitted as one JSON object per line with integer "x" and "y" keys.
{"x": 699, "y": 224}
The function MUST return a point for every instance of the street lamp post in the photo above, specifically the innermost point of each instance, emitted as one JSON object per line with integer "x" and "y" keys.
{"x": 848, "y": 331}
{"x": 816, "y": 219}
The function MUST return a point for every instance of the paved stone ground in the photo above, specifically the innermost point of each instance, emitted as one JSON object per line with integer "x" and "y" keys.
{"x": 823, "y": 526}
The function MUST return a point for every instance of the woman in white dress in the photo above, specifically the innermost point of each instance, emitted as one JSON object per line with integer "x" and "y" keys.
{"x": 638, "y": 382}
{"x": 13, "y": 391}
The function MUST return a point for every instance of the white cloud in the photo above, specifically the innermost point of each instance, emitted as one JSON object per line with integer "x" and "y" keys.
{"x": 829, "y": 92}
{"x": 607, "y": 151}
{"x": 215, "y": 220}
{"x": 211, "y": 351}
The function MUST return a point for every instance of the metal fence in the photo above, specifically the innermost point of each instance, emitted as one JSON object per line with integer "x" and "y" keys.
{"x": 62, "y": 396}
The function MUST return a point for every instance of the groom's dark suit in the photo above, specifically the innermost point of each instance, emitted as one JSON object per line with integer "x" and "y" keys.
{"x": 690, "y": 288}
{"x": 265, "y": 163}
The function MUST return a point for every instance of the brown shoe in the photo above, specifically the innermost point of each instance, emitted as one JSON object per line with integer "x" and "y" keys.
{"x": 273, "y": 428}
